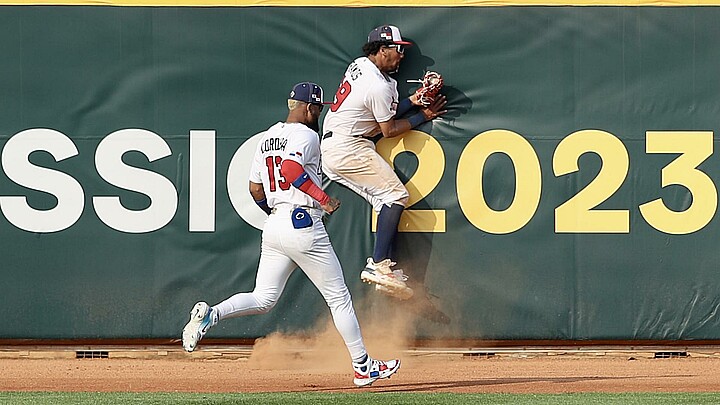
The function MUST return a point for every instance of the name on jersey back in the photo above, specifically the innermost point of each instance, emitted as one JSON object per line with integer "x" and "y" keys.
{"x": 273, "y": 144}
{"x": 354, "y": 71}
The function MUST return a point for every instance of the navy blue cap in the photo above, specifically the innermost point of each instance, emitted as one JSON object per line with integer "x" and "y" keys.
{"x": 308, "y": 92}
{"x": 387, "y": 33}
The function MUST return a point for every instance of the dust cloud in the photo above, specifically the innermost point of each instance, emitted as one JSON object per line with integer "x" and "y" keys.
{"x": 387, "y": 329}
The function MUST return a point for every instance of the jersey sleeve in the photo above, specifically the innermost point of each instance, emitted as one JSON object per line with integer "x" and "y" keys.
{"x": 300, "y": 146}
{"x": 256, "y": 167}
{"x": 382, "y": 102}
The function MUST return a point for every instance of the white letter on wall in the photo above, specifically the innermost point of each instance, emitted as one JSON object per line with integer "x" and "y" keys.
{"x": 67, "y": 190}
{"x": 160, "y": 190}
{"x": 202, "y": 181}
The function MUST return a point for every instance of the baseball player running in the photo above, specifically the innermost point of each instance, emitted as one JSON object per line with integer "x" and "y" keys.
{"x": 366, "y": 104}
{"x": 284, "y": 182}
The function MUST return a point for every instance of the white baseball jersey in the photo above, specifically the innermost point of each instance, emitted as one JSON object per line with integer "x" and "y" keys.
{"x": 283, "y": 141}
{"x": 285, "y": 247}
{"x": 365, "y": 97}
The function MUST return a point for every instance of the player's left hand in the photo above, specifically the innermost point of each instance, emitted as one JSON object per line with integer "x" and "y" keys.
{"x": 435, "y": 109}
{"x": 331, "y": 206}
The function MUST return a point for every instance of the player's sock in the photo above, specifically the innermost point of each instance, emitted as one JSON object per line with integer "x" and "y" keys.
{"x": 361, "y": 361}
{"x": 387, "y": 225}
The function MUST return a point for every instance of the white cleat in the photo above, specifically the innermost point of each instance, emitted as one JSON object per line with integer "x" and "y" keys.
{"x": 402, "y": 294}
{"x": 371, "y": 370}
{"x": 386, "y": 280}
{"x": 202, "y": 318}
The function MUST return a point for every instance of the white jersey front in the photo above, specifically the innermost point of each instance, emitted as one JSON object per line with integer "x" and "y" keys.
{"x": 365, "y": 97}
{"x": 283, "y": 141}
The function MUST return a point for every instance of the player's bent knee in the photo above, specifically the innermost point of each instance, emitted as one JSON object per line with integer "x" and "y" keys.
{"x": 264, "y": 308}
{"x": 401, "y": 201}
{"x": 338, "y": 299}
{"x": 265, "y": 304}
{"x": 400, "y": 197}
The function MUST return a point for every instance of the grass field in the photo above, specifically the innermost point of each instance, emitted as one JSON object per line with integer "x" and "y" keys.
{"x": 62, "y": 398}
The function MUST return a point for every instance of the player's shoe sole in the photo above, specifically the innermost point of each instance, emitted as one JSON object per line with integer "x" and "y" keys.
{"x": 403, "y": 294}
{"x": 196, "y": 328}
{"x": 387, "y": 284}
{"x": 385, "y": 280}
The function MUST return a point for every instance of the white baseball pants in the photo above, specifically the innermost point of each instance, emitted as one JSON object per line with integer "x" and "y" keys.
{"x": 354, "y": 163}
{"x": 283, "y": 249}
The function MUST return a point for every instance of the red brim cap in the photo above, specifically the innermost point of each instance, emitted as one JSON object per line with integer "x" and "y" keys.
{"x": 387, "y": 33}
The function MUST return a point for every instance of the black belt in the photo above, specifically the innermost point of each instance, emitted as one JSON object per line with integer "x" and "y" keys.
{"x": 328, "y": 134}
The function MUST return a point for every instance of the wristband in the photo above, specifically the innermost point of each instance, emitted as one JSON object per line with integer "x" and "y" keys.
{"x": 416, "y": 119}
{"x": 263, "y": 205}
{"x": 404, "y": 106}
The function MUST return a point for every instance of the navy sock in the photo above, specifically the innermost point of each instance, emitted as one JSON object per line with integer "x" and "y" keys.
{"x": 387, "y": 228}
{"x": 362, "y": 361}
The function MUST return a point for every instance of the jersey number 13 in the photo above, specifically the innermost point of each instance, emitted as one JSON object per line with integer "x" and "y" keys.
{"x": 273, "y": 164}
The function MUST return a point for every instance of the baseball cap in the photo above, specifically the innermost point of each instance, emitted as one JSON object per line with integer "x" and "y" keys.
{"x": 308, "y": 92}
{"x": 387, "y": 33}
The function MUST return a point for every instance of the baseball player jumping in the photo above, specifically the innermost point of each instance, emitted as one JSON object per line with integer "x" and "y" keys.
{"x": 366, "y": 104}
{"x": 284, "y": 182}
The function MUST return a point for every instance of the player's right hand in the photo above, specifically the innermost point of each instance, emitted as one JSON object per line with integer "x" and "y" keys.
{"x": 435, "y": 109}
{"x": 332, "y": 205}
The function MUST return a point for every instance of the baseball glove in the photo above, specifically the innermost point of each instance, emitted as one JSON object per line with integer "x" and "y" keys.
{"x": 431, "y": 83}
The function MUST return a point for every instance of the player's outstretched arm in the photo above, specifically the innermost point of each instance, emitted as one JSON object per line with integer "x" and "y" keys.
{"x": 393, "y": 127}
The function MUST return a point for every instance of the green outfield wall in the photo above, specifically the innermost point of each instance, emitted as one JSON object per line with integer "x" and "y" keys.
{"x": 569, "y": 193}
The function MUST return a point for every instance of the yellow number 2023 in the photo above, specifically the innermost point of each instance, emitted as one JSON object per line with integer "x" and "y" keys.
{"x": 579, "y": 214}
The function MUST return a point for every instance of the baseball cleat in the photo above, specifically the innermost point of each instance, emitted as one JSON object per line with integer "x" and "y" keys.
{"x": 366, "y": 373}
{"x": 391, "y": 282}
{"x": 403, "y": 293}
{"x": 202, "y": 318}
